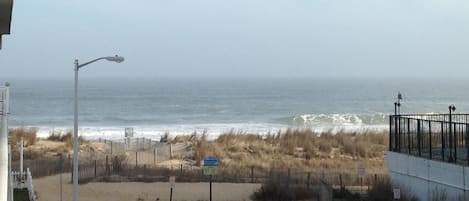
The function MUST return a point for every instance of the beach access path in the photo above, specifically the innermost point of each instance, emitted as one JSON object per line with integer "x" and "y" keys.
{"x": 48, "y": 189}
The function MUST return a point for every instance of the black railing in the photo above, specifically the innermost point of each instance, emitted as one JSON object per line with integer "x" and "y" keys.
{"x": 441, "y": 137}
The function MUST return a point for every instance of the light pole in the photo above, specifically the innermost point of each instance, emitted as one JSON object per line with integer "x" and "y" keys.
{"x": 452, "y": 138}
{"x": 117, "y": 59}
{"x": 397, "y": 105}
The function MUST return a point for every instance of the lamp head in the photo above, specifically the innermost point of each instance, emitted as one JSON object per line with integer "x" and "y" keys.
{"x": 116, "y": 58}
{"x": 452, "y": 108}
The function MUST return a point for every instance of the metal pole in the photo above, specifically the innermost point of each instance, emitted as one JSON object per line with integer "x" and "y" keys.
{"x": 210, "y": 187}
{"x": 10, "y": 182}
{"x": 61, "y": 171}
{"x": 21, "y": 156}
{"x": 171, "y": 194}
{"x": 450, "y": 137}
{"x": 75, "y": 137}
{"x": 4, "y": 144}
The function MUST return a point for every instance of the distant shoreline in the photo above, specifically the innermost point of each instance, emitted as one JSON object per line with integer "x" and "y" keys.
{"x": 94, "y": 133}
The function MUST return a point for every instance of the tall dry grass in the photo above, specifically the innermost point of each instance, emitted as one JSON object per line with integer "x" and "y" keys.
{"x": 294, "y": 148}
{"x": 29, "y": 136}
{"x": 67, "y": 137}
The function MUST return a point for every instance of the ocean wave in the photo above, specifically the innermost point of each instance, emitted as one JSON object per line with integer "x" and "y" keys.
{"x": 336, "y": 120}
{"x": 212, "y": 130}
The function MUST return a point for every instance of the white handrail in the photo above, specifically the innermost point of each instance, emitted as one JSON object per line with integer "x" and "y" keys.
{"x": 32, "y": 195}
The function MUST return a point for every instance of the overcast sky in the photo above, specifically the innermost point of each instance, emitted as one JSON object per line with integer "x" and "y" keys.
{"x": 239, "y": 38}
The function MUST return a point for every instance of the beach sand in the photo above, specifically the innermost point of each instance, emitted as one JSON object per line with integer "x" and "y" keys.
{"x": 48, "y": 189}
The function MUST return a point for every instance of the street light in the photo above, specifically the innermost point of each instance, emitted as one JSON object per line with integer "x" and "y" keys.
{"x": 117, "y": 59}
{"x": 452, "y": 139}
{"x": 397, "y": 105}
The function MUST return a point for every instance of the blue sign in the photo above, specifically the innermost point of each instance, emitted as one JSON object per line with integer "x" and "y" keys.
{"x": 210, "y": 161}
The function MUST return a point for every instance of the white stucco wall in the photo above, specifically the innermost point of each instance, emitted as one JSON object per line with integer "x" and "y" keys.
{"x": 427, "y": 178}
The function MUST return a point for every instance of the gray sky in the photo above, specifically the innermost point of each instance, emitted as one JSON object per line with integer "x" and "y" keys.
{"x": 239, "y": 38}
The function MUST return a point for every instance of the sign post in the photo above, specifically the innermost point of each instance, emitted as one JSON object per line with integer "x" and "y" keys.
{"x": 361, "y": 175}
{"x": 129, "y": 133}
{"x": 172, "y": 184}
{"x": 210, "y": 169}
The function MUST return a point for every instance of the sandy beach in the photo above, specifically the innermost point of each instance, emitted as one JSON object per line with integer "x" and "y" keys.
{"x": 48, "y": 189}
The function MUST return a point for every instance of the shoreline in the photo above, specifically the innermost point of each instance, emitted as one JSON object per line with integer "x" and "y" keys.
{"x": 213, "y": 132}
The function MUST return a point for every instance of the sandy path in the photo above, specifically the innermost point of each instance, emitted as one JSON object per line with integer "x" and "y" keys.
{"x": 47, "y": 189}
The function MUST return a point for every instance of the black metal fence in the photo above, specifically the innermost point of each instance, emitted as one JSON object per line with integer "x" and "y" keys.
{"x": 441, "y": 137}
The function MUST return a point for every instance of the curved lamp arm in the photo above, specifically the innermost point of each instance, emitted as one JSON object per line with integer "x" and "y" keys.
{"x": 116, "y": 58}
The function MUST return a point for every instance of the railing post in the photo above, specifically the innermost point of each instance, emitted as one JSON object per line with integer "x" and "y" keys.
{"x": 399, "y": 134}
{"x": 467, "y": 142}
{"x": 390, "y": 133}
{"x": 408, "y": 135}
{"x": 395, "y": 134}
{"x": 430, "y": 138}
{"x": 419, "y": 140}
{"x": 442, "y": 142}
{"x": 450, "y": 140}
{"x": 455, "y": 139}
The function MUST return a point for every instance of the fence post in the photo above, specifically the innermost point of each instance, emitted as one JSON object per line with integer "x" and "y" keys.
{"x": 252, "y": 174}
{"x": 136, "y": 158}
{"x": 70, "y": 164}
{"x": 181, "y": 170}
{"x": 111, "y": 148}
{"x": 170, "y": 151}
{"x": 155, "y": 155}
{"x": 288, "y": 178}
{"x": 107, "y": 165}
{"x": 137, "y": 147}
{"x": 95, "y": 164}
{"x": 340, "y": 180}
{"x": 309, "y": 177}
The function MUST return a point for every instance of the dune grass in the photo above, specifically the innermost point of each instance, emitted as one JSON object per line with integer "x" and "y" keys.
{"x": 28, "y": 134}
{"x": 295, "y": 148}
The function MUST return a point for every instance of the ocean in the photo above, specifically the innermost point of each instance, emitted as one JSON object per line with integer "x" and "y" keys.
{"x": 153, "y": 106}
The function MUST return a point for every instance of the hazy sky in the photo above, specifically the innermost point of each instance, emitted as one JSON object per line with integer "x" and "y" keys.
{"x": 239, "y": 38}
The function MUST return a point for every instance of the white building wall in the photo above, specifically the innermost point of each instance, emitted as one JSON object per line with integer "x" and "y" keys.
{"x": 427, "y": 179}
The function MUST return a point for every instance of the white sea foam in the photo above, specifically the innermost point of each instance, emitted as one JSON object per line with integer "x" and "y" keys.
{"x": 212, "y": 130}
{"x": 340, "y": 120}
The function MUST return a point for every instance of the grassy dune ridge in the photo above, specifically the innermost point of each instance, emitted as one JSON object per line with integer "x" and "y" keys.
{"x": 295, "y": 148}
{"x": 301, "y": 149}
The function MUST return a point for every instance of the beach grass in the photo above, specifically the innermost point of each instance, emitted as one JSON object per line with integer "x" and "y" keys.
{"x": 295, "y": 148}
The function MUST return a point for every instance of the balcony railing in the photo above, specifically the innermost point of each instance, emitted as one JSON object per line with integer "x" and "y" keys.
{"x": 441, "y": 137}
{"x": 24, "y": 180}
